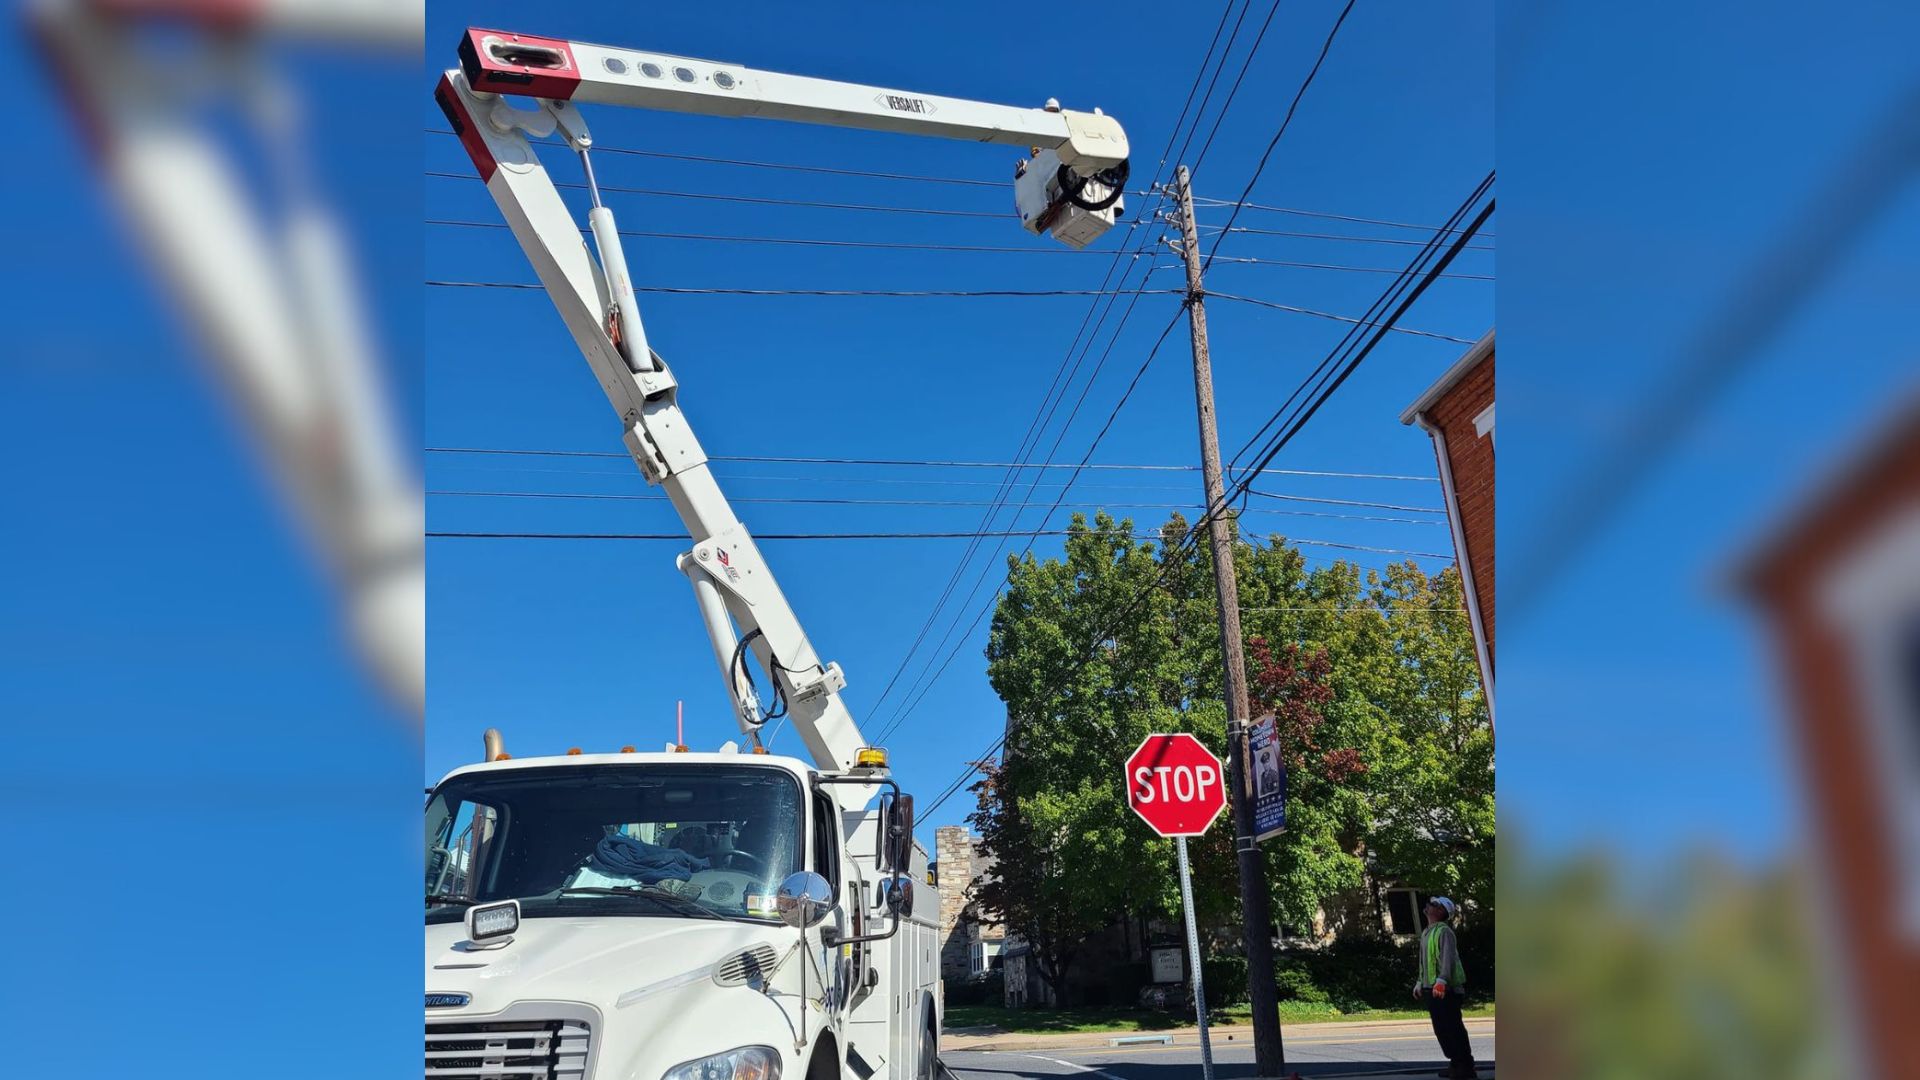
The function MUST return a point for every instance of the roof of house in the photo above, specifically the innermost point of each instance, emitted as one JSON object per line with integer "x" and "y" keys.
{"x": 1862, "y": 472}
{"x": 1453, "y": 375}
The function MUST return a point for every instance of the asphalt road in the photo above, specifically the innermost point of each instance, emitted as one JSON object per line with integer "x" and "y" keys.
{"x": 1375, "y": 1051}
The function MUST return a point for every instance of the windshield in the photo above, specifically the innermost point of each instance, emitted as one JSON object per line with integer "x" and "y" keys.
{"x": 686, "y": 841}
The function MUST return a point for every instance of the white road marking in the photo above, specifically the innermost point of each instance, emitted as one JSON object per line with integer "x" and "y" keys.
{"x": 1103, "y": 1074}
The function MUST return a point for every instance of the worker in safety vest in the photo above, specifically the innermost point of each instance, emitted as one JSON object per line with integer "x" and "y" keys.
{"x": 1443, "y": 986}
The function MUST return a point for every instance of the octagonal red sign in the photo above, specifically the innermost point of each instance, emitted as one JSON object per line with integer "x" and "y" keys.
{"x": 1175, "y": 784}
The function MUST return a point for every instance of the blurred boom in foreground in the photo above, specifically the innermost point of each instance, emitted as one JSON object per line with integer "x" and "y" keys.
{"x": 271, "y": 294}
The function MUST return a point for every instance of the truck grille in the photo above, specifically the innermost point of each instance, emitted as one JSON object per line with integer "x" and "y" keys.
{"x": 507, "y": 1050}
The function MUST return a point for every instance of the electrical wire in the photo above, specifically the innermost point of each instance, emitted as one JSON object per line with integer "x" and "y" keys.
{"x": 883, "y": 245}
{"x": 944, "y": 503}
{"x": 1394, "y": 241}
{"x": 1328, "y": 386}
{"x": 948, "y": 294}
{"x": 919, "y": 463}
{"x": 1211, "y": 295}
{"x": 1282, "y": 130}
{"x": 1246, "y": 261}
{"x": 681, "y": 537}
{"x": 757, "y": 200}
{"x": 1235, "y": 89}
{"x": 1214, "y": 82}
{"x": 1227, "y": 10}
{"x": 1200, "y": 200}
{"x": 1329, "y": 381}
{"x": 1045, "y": 414}
{"x": 761, "y": 200}
{"x": 901, "y": 715}
{"x": 689, "y": 291}
{"x": 1376, "y": 311}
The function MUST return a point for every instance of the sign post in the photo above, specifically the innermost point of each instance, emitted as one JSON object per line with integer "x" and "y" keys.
{"x": 1178, "y": 788}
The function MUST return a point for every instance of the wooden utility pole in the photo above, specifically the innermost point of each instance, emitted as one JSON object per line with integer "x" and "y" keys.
{"x": 1268, "y": 1050}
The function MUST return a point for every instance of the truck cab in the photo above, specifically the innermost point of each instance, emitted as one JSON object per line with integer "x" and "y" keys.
{"x": 675, "y": 916}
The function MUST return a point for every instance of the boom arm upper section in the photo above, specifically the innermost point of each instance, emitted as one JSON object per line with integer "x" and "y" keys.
{"x": 741, "y": 603}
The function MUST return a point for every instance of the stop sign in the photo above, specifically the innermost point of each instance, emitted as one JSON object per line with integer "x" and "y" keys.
{"x": 1175, "y": 784}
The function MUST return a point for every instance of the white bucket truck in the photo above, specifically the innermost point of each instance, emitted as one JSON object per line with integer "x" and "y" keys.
{"x": 695, "y": 916}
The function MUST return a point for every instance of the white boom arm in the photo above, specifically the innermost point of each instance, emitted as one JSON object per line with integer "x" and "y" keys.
{"x": 273, "y": 295}
{"x": 739, "y": 600}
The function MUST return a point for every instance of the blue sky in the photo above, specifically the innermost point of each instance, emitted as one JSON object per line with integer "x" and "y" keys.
{"x": 182, "y": 716}
{"x": 1651, "y": 178}
{"x": 591, "y": 643}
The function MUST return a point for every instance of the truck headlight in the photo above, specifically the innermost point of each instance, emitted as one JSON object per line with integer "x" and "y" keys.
{"x": 744, "y": 1063}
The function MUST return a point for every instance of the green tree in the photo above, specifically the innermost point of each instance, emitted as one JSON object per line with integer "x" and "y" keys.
{"x": 1372, "y": 674}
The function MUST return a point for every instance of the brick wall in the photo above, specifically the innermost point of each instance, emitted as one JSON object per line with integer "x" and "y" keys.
{"x": 1835, "y": 747}
{"x": 1470, "y": 456}
{"x": 954, "y": 850}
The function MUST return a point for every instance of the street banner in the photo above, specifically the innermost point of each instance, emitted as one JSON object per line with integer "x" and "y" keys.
{"x": 1269, "y": 780}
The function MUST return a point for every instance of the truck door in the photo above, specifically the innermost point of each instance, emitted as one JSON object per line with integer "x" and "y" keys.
{"x": 826, "y": 863}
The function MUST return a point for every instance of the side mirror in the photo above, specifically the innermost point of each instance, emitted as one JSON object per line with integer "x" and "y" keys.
{"x": 803, "y": 899}
{"x": 899, "y": 832}
{"x": 897, "y": 891}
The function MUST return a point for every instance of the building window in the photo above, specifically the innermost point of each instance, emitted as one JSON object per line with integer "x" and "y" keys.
{"x": 986, "y": 955}
{"x": 1405, "y": 910}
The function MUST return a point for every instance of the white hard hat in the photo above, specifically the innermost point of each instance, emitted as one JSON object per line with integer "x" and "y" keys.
{"x": 1443, "y": 904}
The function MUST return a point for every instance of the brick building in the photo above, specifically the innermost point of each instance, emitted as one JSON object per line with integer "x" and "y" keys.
{"x": 968, "y": 945}
{"x": 1456, "y": 412}
{"x": 1840, "y": 586}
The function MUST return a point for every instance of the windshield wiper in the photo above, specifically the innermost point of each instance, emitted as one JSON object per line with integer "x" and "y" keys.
{"x": 648, "y": 892}
{"x": 456, "y": 901}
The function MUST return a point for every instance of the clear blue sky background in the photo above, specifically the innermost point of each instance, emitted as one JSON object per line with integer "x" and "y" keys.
{"x": 563, "y": 643}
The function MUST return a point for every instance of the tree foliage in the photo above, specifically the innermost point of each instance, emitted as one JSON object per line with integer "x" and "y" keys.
{"x": 1370, "y": 674}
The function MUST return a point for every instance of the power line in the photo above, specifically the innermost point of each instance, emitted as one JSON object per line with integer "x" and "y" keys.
{"x": 681, "y": 537}
{"x": 956, "y": 180}
{"x": 758, "y": 200}
{"x": 1244, "y": 260}
{"x": 1389, "y": 240}
{"x": 839, "y": 501}
{"x": 761, "y": 200}
{"x": 1282, "y": 130}
{"x": 1043, "y": 416}
{"x": 919, "y": 463}
{"x": 1218, "y": 70}
{"x": 951, "y": 789}
{"x": 675, "y": 290}
{"x": 1211, "y": 295}
{"x": 903, "y": 713}
{"x": 885, "y": 245}
{"x": 1192, "y": 89}
{"x": 1234, "y": 91}
{"x": 690, "y": 291}
{"x": 1347, "y": 502}
{"x": 600, "y": 148}
{"x": 1330, "y": 382}
{"x": 942, "y": 503}
{"x": 1350, "y": 340}
{"x": 1202, "y": 201}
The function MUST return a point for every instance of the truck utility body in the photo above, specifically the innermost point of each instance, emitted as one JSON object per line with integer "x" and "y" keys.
{"x": 695, "y": 916}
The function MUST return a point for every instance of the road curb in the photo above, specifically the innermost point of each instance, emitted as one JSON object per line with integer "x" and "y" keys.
{"x": 1014, "y": 1043}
